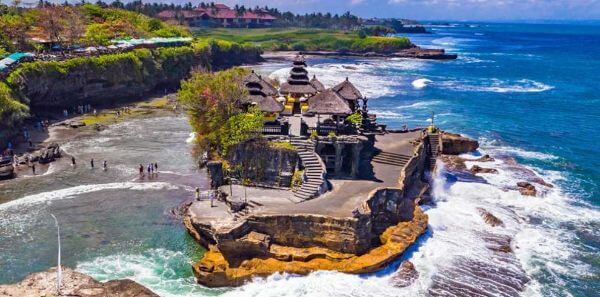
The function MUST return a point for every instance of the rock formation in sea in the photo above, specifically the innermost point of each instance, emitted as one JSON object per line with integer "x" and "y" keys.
{"x": 455, "y": 144}
{"x": 73, "y": 284}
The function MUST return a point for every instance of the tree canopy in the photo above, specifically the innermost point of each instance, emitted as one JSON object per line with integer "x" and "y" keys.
{"x": 216, "y": 113}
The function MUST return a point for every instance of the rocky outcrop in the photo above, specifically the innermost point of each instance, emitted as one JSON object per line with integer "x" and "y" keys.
{"x": 478, "y": 169}
{"x": 455, "y": 144}
{"x": 49, "y": 154}
{"x": 489, "y": 218}
{"x": 527, "y": 189}
{"x": 405, "y": 275}
{"x": 73, "y": 284}
{"x": 214, "y": 270}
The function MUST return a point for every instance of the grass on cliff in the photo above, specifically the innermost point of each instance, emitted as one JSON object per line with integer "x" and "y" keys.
{"x": 282, "y": 39}
{"x": 282, "y": 145}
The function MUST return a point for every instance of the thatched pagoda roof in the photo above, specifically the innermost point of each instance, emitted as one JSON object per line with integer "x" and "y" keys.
{"x": 317, "y": 84}
{"x": 265, "y": 103}
{"x": 297, "y": 88}
{"x": 253, "y": 79}
{"x": 347, "y": 90}
{"x": 328, "y": 102}
{"x": 299, "y": 61}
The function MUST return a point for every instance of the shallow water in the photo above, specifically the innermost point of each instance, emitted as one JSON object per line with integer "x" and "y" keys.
{"x": 524, "y": 91}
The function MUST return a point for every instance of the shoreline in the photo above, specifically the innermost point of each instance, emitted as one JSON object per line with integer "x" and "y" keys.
{"x": 70, "y": 129}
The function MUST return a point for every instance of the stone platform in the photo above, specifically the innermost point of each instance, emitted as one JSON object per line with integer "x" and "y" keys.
{"x": 359, "y": 226}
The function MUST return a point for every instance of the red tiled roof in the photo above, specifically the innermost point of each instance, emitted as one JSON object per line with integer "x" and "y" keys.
{"x": 221, "y": 11}
{"x": 169, "y": 14}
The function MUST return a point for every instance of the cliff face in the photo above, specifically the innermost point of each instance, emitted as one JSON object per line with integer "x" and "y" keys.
{"x": 256, "y": 160}
{"x": 112, "y": 78}
{"x": 215, "y": 270}
{"x": 107, "y": 79}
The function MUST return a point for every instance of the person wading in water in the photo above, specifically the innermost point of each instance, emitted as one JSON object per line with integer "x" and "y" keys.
{"x": 141, "y": 170}
{"x": 105, "y": 165}
{"x": 92, "y": 163}
{"x": 73, "y": 161}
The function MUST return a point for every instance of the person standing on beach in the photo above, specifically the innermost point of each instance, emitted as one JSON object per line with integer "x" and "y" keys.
{"x": 141, "y": 170}
{"x": 33, "y": 168}
{"x": 105, "y": 165}
{"x": 197, "y": 193}
{"x": 155, "y": 167}
{"x": 73, "y": 161}
{"x": 92, "y": 163}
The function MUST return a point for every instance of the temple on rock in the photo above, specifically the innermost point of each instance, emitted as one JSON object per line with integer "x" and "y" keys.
{"x": 303, "y": 108}
{"x": 324, "y": 187}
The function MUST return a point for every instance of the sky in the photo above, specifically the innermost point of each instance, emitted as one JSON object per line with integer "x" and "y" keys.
{"x": 439, "y": 9}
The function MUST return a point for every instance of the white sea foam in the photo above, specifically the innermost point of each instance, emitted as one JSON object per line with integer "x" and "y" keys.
{"x": 69, "y": 193}
{"x": 419, "y": 105}
{"x": 498, "y": 86}
{"x": 421, "y": 83}
{"x": 384, "y": 114}
{"x": 191, "y": 138}
{"x": 162, "y": 271}
{"x": 370, "y": 76}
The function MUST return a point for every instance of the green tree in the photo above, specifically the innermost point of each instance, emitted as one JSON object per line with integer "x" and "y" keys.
{"x": 216, "y": 112}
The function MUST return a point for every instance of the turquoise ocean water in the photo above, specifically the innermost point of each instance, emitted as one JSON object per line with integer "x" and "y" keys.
{"x": 528, "y": 92}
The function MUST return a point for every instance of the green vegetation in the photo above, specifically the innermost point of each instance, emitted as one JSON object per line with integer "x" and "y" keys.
{"x": 276, "y": 39}
{"x": 142, "y": 69}
{"x": 282, "y": 145}
{"x": 83, "y": 24}
{"x": 297, "y": 179}
{"x": 215, "y": 110}
{"x": 12, "y": 111}
{"x": 355, "y": 118}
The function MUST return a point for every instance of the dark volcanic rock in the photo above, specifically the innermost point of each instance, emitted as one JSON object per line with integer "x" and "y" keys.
{"x": 455, "y": 144}
{"x": 405, "y": 275}
{"x": 489, "y": 218}
{"x": 49, "y": 154}
{"x": 526, "y": 189}
{"x": 478, "y": 169}
{"x": 73, "y": 284}
{"x": 484, "y": 158}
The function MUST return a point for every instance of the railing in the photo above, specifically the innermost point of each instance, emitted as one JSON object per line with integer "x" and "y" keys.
{"x": 274, "y": 130}
{"x": 324, "y": 130}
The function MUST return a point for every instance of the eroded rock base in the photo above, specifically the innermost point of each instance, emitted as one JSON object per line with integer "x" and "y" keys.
{"x": 213, "y": 270}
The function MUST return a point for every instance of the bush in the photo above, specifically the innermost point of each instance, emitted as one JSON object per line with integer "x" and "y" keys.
{"x": 381, "y": 44}
{"x": 355, "y": 118}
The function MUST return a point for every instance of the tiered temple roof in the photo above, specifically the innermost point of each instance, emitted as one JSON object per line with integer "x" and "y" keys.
{"x": 298, "y": 83}
{"x": 348, "y": 91}
{"x": 328, "y": 102}
{"x": 317, "y": 84}
{"x": 261, "y": 93}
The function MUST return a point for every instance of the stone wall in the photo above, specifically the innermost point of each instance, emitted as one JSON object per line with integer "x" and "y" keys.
{"x": 262, "y": 163}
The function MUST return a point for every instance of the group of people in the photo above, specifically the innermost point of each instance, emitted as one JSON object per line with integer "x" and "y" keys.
{"x": 79, "y": 109}
{"x": 104, "y": 163}
{"x": 152, "y": 169}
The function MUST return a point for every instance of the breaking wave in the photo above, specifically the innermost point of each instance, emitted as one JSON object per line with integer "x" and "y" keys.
{"x": 499, "y": 86}
{"x": 69, "y": 193}
{"x": 165, "y": 272}
{"x": 421, "y": 83}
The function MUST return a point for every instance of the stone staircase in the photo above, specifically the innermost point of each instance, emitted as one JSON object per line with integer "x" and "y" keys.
{"x": 246, "y": 211}
{"x": 391, "y": 159}
{"x": 434, "y": 149}
{"x": 313, "y": 169}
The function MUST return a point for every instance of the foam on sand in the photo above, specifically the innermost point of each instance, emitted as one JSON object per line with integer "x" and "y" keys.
{"x": 73, "y": 192}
